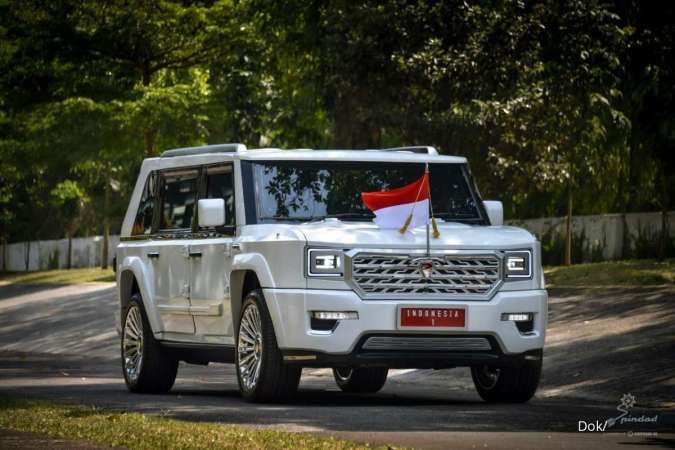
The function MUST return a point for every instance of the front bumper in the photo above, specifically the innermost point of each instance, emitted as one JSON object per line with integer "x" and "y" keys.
{"x": 290, "y": 311}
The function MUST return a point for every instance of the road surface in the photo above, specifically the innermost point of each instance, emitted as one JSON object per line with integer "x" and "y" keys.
{"x": 59, "y": 343}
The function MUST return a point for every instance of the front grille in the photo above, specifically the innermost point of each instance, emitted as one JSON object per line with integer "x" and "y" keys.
{"x": 447, "y": 344}
{"x": 397, "y": 276}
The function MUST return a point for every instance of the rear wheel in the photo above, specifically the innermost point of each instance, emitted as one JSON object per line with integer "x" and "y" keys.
{"x": 261, "y": 373}
{"x": 507, "y": 384}
{"x": 360, "y": 380}
{"x": 146, "y": 365}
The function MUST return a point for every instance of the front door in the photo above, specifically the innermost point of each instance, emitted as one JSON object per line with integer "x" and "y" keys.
{"x": 177, "y": 204}
{"x": 211, "y": 261}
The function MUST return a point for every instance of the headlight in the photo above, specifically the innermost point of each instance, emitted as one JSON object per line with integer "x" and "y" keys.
{"x": 518, "y": 265}
{"x": 325, "y": 263}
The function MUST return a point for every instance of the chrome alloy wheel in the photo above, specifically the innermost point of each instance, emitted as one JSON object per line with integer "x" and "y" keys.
{"x": 344, "y": 373}
{"x": 132, "y": 343}
{"x": 487, "y": 376}
{"x": 250, "y": 347}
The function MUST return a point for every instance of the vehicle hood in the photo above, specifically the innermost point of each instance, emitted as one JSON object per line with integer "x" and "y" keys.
{"x": 335, "y": 233}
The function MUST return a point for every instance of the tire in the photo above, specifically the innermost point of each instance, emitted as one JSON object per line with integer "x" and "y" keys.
{"x": 155, "y": 371}
{"x": 507, "y": 384}
{"x": 261, "y": 373}
{"x": 361, "y": 380}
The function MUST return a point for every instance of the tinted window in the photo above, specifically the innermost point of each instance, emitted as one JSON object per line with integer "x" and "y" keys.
{"x": 179, "y": 192}
{"x": 310, "y": 190}
{"x": 220, "y": 184}
{"x": 146, "y": 208}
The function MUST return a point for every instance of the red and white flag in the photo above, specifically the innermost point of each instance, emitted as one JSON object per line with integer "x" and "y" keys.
{"x": 404, "y": 208}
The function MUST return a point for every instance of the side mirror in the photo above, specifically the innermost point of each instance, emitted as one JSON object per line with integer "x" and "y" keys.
{"x": 495, "y": 212}
{"x": 211, "y": 212}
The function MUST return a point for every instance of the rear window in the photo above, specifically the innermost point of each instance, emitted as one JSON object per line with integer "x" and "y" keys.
{"x": 146, "y": 207}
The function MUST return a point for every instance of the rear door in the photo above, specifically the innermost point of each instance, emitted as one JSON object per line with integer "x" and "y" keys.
{"x": 211, "y": 261}
{"x": 171, "y": 258}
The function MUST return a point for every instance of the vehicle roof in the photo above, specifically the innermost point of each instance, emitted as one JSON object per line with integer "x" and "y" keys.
{"x": 174, "y": 158}
{"x": 345, "y": 155}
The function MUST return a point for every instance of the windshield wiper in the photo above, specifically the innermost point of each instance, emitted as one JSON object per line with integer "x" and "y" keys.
{"x": 311, "y": 219}
{"x": 348, "y": 216}
{"x": 289, "y": 218}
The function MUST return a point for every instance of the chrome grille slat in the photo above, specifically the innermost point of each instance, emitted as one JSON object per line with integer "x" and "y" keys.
{"x": 436, "y": 277}
{"x": 399, "y": 275}
{"x": 427, "y": 343}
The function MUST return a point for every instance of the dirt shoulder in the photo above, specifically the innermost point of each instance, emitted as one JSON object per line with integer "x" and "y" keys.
{"x": 20, "y": 440}
{"x": 605, "y": 342}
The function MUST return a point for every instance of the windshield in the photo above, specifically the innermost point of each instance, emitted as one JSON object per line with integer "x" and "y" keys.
{"x": 300, "y": 191}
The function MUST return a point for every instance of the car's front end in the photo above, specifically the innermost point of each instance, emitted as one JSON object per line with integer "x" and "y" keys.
{"x": 349, "y": 294}
{"x": 457, "y": 305}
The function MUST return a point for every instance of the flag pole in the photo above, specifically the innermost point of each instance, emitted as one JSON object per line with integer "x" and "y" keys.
{"x": 426, "y": 172}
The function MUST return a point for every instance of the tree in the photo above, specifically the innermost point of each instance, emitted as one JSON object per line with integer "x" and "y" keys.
{"x": 70, "y": 199}
{"x": 649, "y": 103}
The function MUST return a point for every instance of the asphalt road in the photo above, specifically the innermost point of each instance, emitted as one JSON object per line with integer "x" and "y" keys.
{"x": 59, "y": 343}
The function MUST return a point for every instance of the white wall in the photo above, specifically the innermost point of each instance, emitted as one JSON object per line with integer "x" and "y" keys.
{"x": 605, "y": 231}
{"x": 43, "y": 255}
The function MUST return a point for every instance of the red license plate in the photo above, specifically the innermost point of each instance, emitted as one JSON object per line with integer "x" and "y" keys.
{"x": 433, "y": 317}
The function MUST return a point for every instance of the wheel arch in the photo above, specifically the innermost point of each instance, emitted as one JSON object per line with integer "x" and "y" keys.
{"x": 134, "y": 279}
{"x": 242, "y": 282}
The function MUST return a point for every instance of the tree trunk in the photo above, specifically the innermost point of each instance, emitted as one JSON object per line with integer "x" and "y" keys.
{"x": 106, "y": 224}
{"x": 69, "y": 258}
{"x": 27, "y": 255}
{"x": 4, "y": 253}
{"x": 149, "y": 134}
{"x": 663, "y": 239}
{"x": 624, "y": 199}
{"x": 354, "y": 125}
{"x": 568, "y": 229}
{"x": 664, "y": 236}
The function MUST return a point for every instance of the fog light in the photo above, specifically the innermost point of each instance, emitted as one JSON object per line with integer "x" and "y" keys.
{"x": 335, "y": 315}
{"x": 517, "y": 317}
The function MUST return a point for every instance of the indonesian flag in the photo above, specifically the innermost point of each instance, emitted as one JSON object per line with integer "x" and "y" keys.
{"x": 404, "y": 208}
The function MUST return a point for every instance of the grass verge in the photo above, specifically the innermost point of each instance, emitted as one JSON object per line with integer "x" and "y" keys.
{"x": 140, "y": 431}
{"x": 61, "y": 276}
{"x": 643, "y": 272}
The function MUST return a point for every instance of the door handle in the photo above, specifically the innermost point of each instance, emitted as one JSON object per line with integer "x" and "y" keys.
{"x": 195, "y": 254}
{"x": 153, "y": 254}
{"x": 236, "y": 246}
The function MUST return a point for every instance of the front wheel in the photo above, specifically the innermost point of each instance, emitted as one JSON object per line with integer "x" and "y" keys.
{"x": 360, "y": 380}
{"x": 261, "y": 373}
{"x": 507, "y": 384}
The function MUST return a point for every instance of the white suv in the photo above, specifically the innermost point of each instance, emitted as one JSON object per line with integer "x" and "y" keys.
{"x": 269, "y": 259}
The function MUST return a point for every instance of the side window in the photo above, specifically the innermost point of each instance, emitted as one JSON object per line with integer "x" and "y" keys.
{"x": 220, "y": 184}
{"x": 146, "y": 207}
{"x": 179, "y": 194}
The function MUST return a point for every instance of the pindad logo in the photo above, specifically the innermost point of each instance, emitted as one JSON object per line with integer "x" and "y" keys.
{"x": 626, "y": 403}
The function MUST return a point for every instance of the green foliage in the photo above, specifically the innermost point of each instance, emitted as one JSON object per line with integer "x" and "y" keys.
{"x": 646, "y": 242}
{"x": 547, "y": 99}
{"x": 614, "y": 273}
{"x": 58, "y": 276}
{"x": 53, "y": 262}
{"x": 553, "y": 248}
{"x": 140, "y": 431}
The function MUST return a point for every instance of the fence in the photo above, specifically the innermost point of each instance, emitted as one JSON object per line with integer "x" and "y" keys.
{"x": 602, "y": 237}
{"x": 595, "y": 238}
{"x": 44, "y": 255}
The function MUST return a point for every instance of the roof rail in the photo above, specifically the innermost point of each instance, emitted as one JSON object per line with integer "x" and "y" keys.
{"x": 204, "y": 149}
{"x": 414, "y": 149}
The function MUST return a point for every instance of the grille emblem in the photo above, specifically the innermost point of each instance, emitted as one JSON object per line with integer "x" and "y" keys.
{"x": 425, "y": 266}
